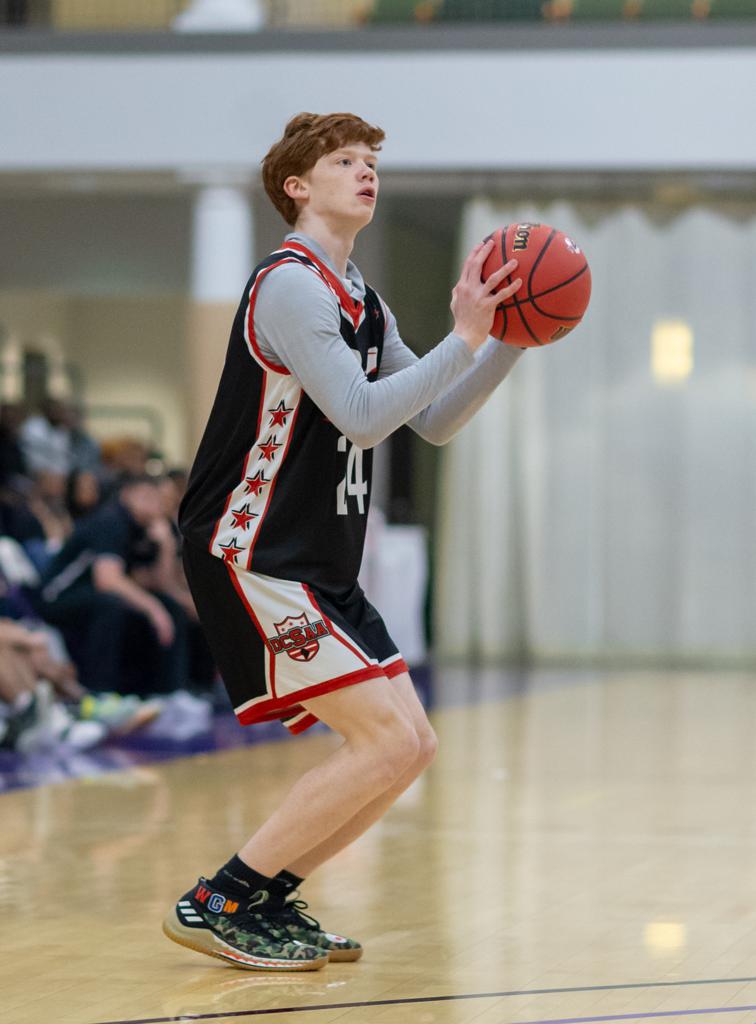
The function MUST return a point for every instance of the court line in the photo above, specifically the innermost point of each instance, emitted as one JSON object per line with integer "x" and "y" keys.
{"x": 466, "y": 995}
{"x": 639, "y": 1016}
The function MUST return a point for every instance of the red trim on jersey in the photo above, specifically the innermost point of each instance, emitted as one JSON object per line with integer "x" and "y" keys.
{"x": 337, "y": 636}
{"x": 249, "y": 318}
{"x": 302, "y": 724}
{"x": 247, "y": 457}
{"x": 250, "y": 611}
{"x": 395, "y": 668}
{"x": 272, "y": 485}
{"x": 352, "y": 309}
{"x": 262, "y": 711}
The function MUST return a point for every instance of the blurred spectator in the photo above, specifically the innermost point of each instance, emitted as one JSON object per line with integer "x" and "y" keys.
{"x": 46, "y": 439}
{"x": 85, "y": 451}
{"x": 125, "y": 455}
{"x": 108, "y": 590}
{"x": 16, "y": 518}
{"x": 33, "y": 648}
{"x": 30, "y": 715}
{"x": 83, "y": 493}
{"x": 172, "y": 490}
{"x": 47, "y": 504}
{"x": 11, "y": 456}
{"x": 37, "y": 676}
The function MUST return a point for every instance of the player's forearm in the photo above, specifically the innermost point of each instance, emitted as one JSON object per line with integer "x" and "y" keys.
{"x": 367, "y": 412}
{"x": 304, "y": 337}
{"x": 444, "y": 417}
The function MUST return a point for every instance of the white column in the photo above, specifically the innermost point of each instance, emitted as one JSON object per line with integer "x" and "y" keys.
{"x": 221, "y": 261}
{"x": 221, "y": 16}
{"x": 221, "y": 242}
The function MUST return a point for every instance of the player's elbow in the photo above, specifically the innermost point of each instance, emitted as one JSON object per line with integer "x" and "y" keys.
{"x": 438, "y": 438}
{"x": 362, "y": 438}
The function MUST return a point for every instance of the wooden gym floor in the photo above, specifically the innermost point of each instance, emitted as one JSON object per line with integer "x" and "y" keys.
{"x": 584, "y": 849}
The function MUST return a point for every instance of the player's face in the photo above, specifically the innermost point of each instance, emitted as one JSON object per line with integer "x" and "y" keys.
{"x": 343, "y": 186}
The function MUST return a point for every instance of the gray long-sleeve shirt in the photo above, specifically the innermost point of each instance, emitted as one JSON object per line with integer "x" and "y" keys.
{"x": 297, "y": 326}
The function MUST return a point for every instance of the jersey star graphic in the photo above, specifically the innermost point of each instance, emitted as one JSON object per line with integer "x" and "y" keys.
{"x": 269, "y": 449}
{"x": 230, "y": 551}
{"x": 256, "y": 483}
{"x": 242, "y": 517}
{"x": 279, "y": 414}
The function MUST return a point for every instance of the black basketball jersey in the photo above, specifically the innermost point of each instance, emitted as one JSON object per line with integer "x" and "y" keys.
{"x": 275, "y": 487}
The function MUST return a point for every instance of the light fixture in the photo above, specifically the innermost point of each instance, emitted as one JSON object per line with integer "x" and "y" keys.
{"x": 671, "y": 352}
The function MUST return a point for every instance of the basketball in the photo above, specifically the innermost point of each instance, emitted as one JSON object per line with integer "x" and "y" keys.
{"x": 556, "y": 284}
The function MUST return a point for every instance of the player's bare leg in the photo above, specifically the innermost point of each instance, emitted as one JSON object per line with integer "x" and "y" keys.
{"x": 380, "y": 745}
{"x": 368, "y": 815}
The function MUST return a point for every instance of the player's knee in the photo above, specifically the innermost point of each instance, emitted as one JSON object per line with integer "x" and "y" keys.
{"x": 396, "y": 747}
{"x": 427, "y": 746}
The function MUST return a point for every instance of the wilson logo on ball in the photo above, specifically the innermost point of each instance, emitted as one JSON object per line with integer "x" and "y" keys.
{"x": 522, "y": 236}
{"x": 298, "y": 637}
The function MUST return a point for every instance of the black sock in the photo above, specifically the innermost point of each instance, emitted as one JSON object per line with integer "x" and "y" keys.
{"x": 283, "y": 885}
{"x": 238, "y": 879}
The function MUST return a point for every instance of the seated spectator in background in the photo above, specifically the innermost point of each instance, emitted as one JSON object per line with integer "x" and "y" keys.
{"x": 121, "y": 456}
{"x": 46, "y": 441}
{"x": 85, "y": 451}
{"x": 37, "y": 677}
{"x": 172, "y": 490}
{"x": 16, "y": 518}
{"x": 33, "y": 513}
{"x": 83, "y": 493}
{"x": 47, "y": 504}
{"x": 125, "y": 455}
{"x": 31, "y": 649}
{"x": 124, "y": 635}
{"x": 11, "y": 457}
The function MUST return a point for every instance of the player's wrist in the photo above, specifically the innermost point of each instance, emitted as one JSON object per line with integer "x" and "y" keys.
{"x": 469, "y": 337}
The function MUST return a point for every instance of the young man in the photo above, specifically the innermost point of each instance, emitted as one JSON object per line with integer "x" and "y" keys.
{"x": 274, "y": 522}
{"x": 93, "y": 592}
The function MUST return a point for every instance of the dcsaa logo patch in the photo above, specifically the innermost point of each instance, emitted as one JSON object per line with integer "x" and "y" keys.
{"x": 298, "y": 637}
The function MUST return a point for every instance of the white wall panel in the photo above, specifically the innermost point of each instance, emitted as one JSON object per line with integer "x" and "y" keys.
{"x": 610, "y": 109}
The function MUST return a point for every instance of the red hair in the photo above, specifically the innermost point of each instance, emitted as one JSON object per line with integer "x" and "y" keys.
{"x": 306, "y": 138}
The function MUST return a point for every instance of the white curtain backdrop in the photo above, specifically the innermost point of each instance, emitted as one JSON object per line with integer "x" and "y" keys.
{"x": 588, "y": 510}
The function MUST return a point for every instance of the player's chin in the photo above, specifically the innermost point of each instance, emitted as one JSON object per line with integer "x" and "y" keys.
{"x": 367, "y": 210}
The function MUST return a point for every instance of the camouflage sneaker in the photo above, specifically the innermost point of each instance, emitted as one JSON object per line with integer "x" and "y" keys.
{"x": 305, "y": 928}
{"x": 250, "y": 935}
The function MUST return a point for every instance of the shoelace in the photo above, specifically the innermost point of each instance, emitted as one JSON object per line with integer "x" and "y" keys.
{"x": 293, "y": 911}
{"x": 256, "y": 917}
{"x": 259, "y": 922}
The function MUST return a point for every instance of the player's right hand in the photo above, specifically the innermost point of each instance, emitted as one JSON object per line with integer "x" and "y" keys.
{"x": 474, "y": 301}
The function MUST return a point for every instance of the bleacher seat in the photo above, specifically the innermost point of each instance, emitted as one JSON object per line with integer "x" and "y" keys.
{"x": 735, "y": 9}
{"x": 387, "y": 12}
{"x": 667, "y": 10}
{"x": 606, "y": 10}
{"x": 491, "y": 10}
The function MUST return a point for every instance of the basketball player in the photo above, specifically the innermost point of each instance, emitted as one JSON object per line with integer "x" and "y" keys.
{"x": 274, "y": 518}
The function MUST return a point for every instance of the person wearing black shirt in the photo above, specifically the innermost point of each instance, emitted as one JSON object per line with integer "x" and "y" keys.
{"x": 123, "y": 636}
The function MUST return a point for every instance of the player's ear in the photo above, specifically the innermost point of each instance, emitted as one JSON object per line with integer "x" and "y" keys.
{"x": 296, "y": 187}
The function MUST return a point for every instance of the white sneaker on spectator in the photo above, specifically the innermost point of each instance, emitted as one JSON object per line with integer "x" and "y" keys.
{"x": 45, "y": 724}
{"x": 183, "y": 716}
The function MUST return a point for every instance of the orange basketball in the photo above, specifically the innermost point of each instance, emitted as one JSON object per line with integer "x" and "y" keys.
{"x": 556, "y": 284}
